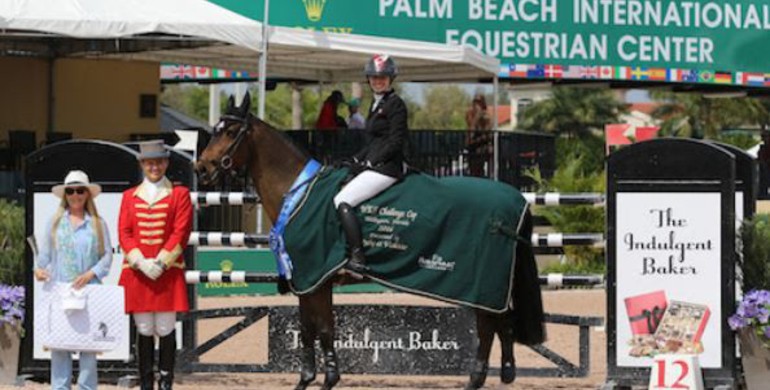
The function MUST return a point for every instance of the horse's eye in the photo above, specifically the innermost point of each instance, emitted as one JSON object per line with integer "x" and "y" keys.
{"x": 232, "y": 132}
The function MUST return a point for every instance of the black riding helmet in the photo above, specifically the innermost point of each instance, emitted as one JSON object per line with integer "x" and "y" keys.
{"x": 381, "y": 65}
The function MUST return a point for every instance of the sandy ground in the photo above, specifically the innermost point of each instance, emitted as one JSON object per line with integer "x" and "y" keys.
{"x": 250, "y": 347}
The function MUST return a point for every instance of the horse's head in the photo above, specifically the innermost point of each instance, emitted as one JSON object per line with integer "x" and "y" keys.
{"x": 226, "y": 151}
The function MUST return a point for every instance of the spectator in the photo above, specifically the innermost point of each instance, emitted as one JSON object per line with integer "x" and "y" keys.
{"x": 76, "y": 249}
{"x": 479, "y": 139}
{"x": 328, "y": 119}
{"x": 355, "y": 120}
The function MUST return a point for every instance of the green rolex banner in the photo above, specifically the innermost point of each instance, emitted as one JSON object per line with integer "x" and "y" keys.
{"x": 450, "y": 238}
{"x": 667, "y": 35}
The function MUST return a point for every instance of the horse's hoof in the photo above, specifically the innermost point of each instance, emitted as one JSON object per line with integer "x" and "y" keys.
{"x": 302, "y": 385}
{"x": 478, "y": 375}
{"x": 330, "y": 380}
{"x": 508, "y": 372}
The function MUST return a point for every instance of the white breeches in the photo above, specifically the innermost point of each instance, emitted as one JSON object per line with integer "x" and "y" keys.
{"x": 363, "y": 187}
{"x": 160, "y": 323}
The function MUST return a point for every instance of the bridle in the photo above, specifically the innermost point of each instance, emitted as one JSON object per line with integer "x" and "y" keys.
{"x": 226, "y": 161}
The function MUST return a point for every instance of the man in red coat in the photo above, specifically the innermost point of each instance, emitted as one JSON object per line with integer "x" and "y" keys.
{"x": 154, "y": 226}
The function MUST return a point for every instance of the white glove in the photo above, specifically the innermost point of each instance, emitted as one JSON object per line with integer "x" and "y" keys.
{"x": 150, "y": 268}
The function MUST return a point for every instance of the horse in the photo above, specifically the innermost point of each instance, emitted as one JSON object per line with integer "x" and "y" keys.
{"x": 273, "y": 161}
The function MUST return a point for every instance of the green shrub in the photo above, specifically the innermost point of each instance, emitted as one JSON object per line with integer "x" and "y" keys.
{"x": 11, "y": 243}
{"x": 755, "y": 261}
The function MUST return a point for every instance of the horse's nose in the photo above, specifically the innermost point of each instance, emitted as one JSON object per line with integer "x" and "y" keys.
{"x": 202, "y": 171}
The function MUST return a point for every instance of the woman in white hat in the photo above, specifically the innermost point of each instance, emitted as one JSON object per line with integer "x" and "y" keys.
{"x": 75, "y": 249}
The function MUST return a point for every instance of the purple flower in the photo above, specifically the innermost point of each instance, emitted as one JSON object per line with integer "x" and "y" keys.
{"x": 12, "y": 305}
{"x": 737, "y": 322}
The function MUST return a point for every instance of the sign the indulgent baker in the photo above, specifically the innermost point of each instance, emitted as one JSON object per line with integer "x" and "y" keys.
{"x": 668, "y": 276}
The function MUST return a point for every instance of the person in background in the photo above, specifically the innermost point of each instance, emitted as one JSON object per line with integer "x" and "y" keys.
{"x": 75, "y": 249}
{"x": 355, "y": 120}
{"x": 328, "y": 119}
{"x": 154, "y": 226}
{"x": 380, "y": 163}
{"x": 479, "y": 139}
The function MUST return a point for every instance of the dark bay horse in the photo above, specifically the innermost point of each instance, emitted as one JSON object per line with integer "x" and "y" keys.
{"x": 240, "y": 139}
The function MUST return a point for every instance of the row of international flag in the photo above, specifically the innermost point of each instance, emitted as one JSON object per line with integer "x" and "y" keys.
{"x": 190, "y": 72}
{"x": 634, "y": 73}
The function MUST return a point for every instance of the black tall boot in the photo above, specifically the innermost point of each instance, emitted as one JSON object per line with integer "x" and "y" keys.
{"x": 352, "y": 229}
{"x": 145, "y": 357}
{"x": 167, "y": 361}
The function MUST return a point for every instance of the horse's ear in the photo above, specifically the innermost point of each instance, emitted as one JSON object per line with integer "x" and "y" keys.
{"x": 230, "y": 103}
{"x": 245, "y": 104}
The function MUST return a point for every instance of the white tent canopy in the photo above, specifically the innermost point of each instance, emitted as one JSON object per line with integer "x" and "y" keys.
{"x": 197, "y": 32}
{"x": 136, "y": 19}
{"x": 331, "y": 57}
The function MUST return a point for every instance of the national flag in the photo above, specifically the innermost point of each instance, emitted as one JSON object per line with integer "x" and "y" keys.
{"x": 503, "y": 72}
{"x": 673, "y": 74}
{"x": 554, "y": 71}
{"x": 639, "y": 73}
{"x": 180, "y": 72}
{"x": 688, "y": 75}
{"x": 706, "y": 76}
{"x": 223, "y": 74}
{"x": 658, "y": 74}
{"x": 536, "y": 71}
{"x": 202, "y": 72}
{"x": 723, "y": 77}
{"x": 589, "y": 72}
{"x": 622, "y": 73}
{"x": 753, "y": 79}
{"x": 606, "y": 72}
{"x": 517, "y": 70}
{"x": 767, "y": 79}
{"x": 573, "y": 72}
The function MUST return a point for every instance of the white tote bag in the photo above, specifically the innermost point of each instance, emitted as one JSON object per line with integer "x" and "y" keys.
{"x": 92, "y": 319}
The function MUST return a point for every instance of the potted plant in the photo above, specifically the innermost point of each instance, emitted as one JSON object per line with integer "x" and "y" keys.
{"x": 752, "y": 318}
{"x": 11, "y": 288}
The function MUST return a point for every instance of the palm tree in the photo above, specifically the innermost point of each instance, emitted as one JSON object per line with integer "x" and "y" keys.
{"x": 575, "y": 111}
{"x": 694, "y": 115}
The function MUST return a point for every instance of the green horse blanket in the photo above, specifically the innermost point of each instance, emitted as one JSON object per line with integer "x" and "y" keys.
{"x": 450, "y": 238}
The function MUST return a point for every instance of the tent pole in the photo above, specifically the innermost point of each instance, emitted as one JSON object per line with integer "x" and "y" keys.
{"x": 496, "y": 149}
{"x": 263, "y": 61}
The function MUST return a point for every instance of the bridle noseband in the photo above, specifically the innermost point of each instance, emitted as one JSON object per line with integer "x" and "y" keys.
{"x": 226, "y": 162}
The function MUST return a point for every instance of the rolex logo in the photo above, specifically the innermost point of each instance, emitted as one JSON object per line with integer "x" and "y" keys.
{"x": 226, "y": 266}
{"x": 314, "y": 9}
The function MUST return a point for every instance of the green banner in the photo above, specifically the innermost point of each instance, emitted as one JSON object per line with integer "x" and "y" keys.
{"x": 708, "y": 41}
{"x": 251, "y": 260}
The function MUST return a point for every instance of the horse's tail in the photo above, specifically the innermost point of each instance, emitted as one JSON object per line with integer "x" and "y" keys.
{"x": 528, "y": 315}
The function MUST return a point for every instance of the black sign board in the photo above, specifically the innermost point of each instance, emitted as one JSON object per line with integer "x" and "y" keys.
{"x": 382, "y": 339}
{"x": 670, "y": 242}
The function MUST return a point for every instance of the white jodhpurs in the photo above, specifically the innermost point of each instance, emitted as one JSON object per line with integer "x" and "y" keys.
{"x": 152, "y": 324}
{"x": 363, "y": 187}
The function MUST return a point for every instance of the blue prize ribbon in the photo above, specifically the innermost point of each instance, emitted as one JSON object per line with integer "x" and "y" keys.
{"x": 290, "y": 200}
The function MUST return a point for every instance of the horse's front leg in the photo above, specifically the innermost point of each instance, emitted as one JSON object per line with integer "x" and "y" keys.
{"x": 325, "y": 326}
{"x": 485, "y": 328}
{"x": 307, "y": 336}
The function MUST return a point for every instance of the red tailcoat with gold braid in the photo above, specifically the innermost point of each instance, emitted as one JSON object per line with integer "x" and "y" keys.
{"x": 155, "y": 228}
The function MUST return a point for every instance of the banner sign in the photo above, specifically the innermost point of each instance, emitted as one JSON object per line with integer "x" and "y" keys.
{"x": 668, "y": 272}
{"x": 697, "y": 41}
{"x": 383, "y": 339}
{"x": 176, "y": 72}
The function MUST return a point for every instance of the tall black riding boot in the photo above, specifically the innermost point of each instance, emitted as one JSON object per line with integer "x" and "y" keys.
{"x": 167, "y": 361}
{"x": 145, "y": 357}
{"x": 352, "y": 229}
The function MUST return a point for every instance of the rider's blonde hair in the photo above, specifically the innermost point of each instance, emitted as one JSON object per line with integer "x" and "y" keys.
{"x": 96, "y": 222}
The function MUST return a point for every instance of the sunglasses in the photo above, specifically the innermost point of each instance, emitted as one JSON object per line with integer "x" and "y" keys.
{"x": 79, "y": 190}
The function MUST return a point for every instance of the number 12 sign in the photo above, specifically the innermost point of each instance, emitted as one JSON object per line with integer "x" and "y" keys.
{"x": 670, "y": 372}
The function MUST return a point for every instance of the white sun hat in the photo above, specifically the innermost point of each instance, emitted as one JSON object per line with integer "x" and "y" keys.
{"x": 76, "y": 179}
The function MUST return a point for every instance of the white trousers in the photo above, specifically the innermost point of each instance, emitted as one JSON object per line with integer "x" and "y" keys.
{"x": 150, "y": 324}
{"x": 363, "y": 187}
